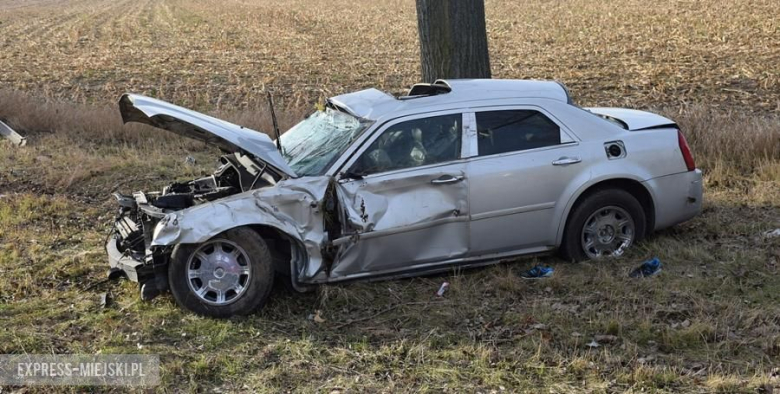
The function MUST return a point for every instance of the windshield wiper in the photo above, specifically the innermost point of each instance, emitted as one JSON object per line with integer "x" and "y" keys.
{"x": 276, "y": 125}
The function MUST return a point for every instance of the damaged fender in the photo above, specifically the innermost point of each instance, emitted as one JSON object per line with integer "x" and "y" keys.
{"x": 292, "y": 207}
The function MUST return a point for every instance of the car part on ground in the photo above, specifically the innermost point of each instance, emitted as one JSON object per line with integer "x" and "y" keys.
{"x": 460, "y": 173}
{"x": 7, "y": 132}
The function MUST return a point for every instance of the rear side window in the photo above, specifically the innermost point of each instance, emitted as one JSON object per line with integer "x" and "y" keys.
{"x": 515, "y": 130}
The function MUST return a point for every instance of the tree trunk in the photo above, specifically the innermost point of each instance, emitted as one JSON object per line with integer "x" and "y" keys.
{"x": 453, "y": 39}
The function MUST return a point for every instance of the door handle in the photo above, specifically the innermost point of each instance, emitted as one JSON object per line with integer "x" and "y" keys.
{"x": 565, "y": 161}
{"x": 447, "y": 179}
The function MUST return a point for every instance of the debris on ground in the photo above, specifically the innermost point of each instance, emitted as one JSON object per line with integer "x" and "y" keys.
{"x": 772, "y": 233}
{"x": 648, "y": 268}
{"x": 593, "y": 344}
{"x": 13, "y": 136}
{"x": 189, "y": 160}
{"x": 442, "y": 289}
{"x": 605, "y": 338}
{"x": 537, "y": 272}
{"x": 105, "y": 300}
{"x": 316, "y": 317}
{"x": 646, "y": 359}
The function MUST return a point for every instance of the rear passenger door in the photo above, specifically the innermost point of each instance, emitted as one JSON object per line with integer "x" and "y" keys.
{"x": 521, "y": 161}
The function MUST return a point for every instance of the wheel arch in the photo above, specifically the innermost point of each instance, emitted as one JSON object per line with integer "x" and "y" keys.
{"x": 283, "y": 247}
{"x": 632, "y": 186}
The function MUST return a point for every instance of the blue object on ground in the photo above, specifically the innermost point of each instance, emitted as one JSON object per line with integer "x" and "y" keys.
{"x": 537, "y": 272}
{"x": 648, "y": 268}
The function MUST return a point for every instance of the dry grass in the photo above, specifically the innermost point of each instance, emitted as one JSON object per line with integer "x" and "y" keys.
{"x": 708, "y": 323}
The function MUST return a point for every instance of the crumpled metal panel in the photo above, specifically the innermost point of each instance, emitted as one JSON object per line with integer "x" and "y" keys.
{"x": 401, "y": 201}
{"x": 292, "y": 206}
{"x": 191, "y": 124}
{"x": 401, "y": 222}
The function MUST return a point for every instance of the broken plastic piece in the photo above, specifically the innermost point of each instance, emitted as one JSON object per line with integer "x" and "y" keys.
{"x": 772, "y": 233}
{"x": 648, "y": 268}
{"x": 443, "y": 289}
{"x": 13, "y": 136}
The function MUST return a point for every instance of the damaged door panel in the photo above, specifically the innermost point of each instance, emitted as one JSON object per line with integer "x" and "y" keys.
{"x": 398, "y": 220}
{"x": 405, "y": 198}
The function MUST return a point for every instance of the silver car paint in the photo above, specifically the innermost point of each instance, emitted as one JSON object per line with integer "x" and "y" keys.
{"x": 191, "y": 124}
{"x": 400, "y": 222}
{"x": 635, "y": 120}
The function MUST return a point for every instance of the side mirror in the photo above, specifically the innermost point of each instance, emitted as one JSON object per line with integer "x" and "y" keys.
{"x": 350, "y": 175}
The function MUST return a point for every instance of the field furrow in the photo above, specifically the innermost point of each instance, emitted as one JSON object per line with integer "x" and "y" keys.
{"x": 208, "y": 53}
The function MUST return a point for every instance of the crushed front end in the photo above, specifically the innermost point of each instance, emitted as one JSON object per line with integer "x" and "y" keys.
{"x": 130, "y": 251}
{"x": 129, "y": 246}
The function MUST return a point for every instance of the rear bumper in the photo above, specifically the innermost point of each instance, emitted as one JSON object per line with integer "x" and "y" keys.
{"x": 677, "y": 197}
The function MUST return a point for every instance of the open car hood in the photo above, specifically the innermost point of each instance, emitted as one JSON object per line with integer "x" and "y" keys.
{"x": 633, "y": 119}
{"x": 227, "y": 136}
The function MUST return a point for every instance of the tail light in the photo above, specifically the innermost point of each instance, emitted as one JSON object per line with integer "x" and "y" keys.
{"x": 686, "y": 151}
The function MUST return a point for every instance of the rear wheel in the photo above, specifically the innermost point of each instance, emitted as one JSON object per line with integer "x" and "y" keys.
{"x": 605, "y": 223}
{"x": 230, "y": 274}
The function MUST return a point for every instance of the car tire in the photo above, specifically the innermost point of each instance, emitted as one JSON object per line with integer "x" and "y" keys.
{"x": 251, "y": 274}
{"x": 588, "y": 209}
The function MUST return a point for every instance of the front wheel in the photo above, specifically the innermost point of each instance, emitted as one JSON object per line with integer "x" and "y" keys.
{"x": 603, "y": 224}
{"x": 230, "y": 274}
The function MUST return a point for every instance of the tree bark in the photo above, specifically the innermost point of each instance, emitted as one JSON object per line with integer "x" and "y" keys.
{"x": 453, "y": 39}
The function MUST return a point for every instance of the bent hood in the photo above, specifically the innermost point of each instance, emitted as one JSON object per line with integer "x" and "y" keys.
{"x": 191, "y": 124}
{"x": 634, "y": 119}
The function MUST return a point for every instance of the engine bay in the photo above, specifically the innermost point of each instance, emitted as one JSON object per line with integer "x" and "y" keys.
{"x": 140, "y": 212}
{"x": 237, "y": 173}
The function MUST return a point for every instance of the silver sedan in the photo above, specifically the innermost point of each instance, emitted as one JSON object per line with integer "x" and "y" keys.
{"x": 455, "y": 173}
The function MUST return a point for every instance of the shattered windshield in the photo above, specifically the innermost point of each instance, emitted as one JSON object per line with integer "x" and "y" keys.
{"x": 313, "y": 144}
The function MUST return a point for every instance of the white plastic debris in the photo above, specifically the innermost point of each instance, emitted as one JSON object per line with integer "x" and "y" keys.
{"x": 772, "y": 233}
{"x": 442, "y": 289}
{"x": 13, "y": 136}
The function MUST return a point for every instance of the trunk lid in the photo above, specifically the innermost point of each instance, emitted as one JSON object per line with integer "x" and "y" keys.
{"x": 631, "y": 119}
{"x": 191, "y": 124}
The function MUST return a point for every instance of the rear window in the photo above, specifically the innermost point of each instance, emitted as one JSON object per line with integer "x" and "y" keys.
{"x": 515, "y": 130}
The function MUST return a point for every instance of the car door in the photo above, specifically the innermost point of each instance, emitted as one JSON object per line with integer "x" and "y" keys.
{"x": 524, "y": 160}
{"x": 404, "y": 198}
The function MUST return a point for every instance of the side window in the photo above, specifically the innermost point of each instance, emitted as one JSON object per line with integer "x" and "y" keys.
{"x": 414, "y": 143}
{"x": 515, "y": 130}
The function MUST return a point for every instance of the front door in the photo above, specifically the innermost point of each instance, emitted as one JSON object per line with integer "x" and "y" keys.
{"x": 404, "y": 199}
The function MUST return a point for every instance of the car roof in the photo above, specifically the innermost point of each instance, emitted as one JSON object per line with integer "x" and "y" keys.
{"x": 374, "y": 104}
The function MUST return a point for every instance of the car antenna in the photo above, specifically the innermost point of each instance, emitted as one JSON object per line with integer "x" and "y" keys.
{"x": 276, "y": 125}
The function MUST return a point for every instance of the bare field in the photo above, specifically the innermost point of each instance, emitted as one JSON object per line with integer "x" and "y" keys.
{"x": 710, "y": 322}
{"x": 226, "y": 53}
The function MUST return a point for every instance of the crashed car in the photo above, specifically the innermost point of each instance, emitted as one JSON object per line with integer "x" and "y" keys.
{"x": 455, "y": 173}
